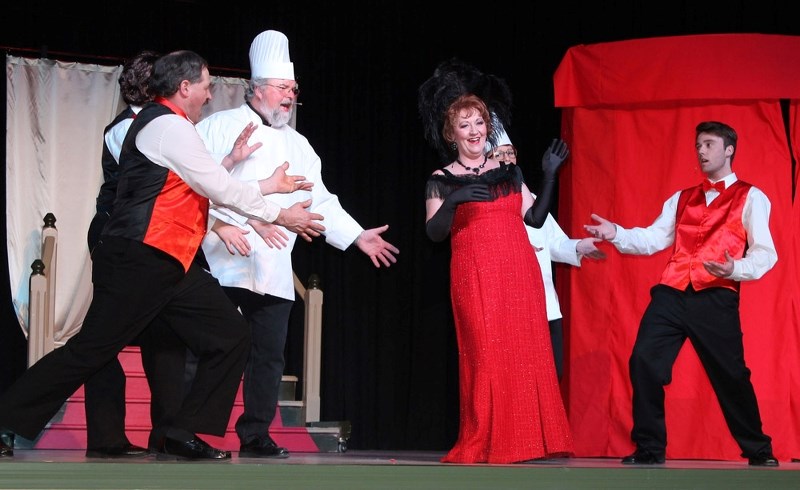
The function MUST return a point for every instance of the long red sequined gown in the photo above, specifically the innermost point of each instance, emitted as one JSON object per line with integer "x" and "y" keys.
{"x": 510, "y": 404}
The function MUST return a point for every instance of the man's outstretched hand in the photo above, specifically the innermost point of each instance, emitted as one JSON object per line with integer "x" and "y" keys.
{"x": 377, "y": 249}
{"x": 241, "y": 150}
{"x": 279, "y": 182}
{"x": 604, "y": 229}
{"x": 297, "y": 219}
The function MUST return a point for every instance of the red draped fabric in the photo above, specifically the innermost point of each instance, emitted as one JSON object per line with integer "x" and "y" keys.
{"x": 629, "y": 110}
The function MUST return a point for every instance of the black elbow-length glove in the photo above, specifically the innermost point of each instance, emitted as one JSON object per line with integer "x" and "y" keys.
{"x": 438, "y": 227}
{"x": 552, "y": 159}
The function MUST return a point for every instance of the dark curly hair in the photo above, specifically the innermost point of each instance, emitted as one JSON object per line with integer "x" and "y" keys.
{"x": 134, "y": 81}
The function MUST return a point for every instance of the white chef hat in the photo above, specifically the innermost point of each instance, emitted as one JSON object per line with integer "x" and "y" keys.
{"x": 500, "y": 136}
{"x": 269, "y": 56}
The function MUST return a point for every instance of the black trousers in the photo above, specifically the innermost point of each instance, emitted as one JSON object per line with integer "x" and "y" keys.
{"x": 134, "y": 284}
{"x": 268, "y": 317}
{"x": 557, "y": 341}
{"x": 163, "y": 355}
{"x": 710, "y": 320}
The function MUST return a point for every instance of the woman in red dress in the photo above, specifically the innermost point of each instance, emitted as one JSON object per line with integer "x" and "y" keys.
{"x": 510, "y": 404}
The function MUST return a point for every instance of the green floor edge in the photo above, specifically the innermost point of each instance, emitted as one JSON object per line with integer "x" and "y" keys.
{"x": 219, "y": 476}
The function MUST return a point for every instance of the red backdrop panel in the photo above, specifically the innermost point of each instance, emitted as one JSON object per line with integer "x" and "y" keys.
{"x": 628, "y": 156}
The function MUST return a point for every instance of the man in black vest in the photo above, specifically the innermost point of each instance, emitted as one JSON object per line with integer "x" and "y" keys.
{"x": 143, "y": 267}
{"x": 105, "y": 390}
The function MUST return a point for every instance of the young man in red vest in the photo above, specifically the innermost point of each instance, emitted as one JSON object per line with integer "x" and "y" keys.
{"x": 720, "y": 231}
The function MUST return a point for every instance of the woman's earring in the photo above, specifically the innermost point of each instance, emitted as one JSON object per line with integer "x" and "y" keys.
{"x": 453, "y": 145}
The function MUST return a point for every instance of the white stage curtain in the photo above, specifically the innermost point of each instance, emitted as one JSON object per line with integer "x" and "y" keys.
{"x": 56, "y": 112}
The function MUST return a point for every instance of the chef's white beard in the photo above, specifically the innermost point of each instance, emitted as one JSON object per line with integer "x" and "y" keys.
{"x": 278, "y": 118}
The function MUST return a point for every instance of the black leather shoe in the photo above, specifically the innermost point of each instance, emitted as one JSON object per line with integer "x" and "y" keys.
{"x": 262, "y": 449}
{"x": 643, "y": 457}
{"x": 6, "y": 444}
{"x": 194, "y": 449}
{"x": 6, "y": 451}
{"x": 763, "y": 459}
{"x": 117, "y": 452}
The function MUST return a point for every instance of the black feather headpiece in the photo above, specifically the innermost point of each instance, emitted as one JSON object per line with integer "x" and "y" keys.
{"x": 450, "y": 80}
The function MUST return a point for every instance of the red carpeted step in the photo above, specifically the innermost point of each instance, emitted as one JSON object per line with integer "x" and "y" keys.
{"x": 67, "y": 430}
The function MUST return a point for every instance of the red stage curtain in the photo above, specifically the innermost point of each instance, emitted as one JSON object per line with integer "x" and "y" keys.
{"x": 629, "y": 113}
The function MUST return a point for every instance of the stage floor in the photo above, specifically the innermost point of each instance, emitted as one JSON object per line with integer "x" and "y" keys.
{"x": 70, "y": 469}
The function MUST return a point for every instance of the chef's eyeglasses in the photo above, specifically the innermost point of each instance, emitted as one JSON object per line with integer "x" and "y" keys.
{"x": 284, "y": 88}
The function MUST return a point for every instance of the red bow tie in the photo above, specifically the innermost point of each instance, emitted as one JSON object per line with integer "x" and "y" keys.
{"x": 719, "y": 186}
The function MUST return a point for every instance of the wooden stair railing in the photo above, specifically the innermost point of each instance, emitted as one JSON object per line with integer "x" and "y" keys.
{"x": 42, "y": 295}
{"x": 312, "y": 352}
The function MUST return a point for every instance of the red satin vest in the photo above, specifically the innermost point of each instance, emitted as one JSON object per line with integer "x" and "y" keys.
{"x": 153, "y": 205}
{"x": 703, "y": 233}
{"x": 180, "y": 215}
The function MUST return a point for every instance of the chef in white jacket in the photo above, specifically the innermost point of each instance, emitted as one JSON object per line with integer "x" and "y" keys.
{"x": 254, "y": 262}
